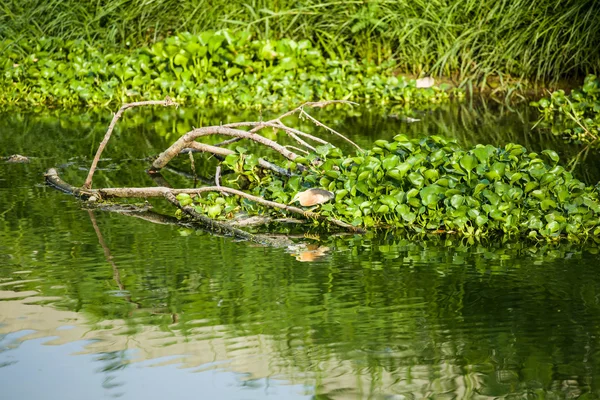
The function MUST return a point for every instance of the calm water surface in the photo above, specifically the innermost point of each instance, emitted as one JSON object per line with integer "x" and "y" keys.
{"x": 97, "y": 304}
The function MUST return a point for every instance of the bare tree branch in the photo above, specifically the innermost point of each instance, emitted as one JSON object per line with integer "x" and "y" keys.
{"x": 166, "y": 102}
{"x": 186, "y": 140}
{"x": 318, "y": 123}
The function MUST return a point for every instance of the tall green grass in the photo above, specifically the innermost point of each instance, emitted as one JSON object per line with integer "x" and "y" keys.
{"x": 542, "y": 40}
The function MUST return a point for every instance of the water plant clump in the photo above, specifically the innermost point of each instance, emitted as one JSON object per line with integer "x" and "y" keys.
{"x": 575, "y": 116}
{"x": 429, "y": 184}
{"x": 213, "y": 67}
{"x": 425, "y": 185}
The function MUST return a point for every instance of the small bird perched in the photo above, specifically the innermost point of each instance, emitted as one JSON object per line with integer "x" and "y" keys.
{"x": 312, "y": 197}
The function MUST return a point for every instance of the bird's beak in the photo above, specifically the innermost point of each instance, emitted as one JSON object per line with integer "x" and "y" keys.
{"x": 295, "y": 199}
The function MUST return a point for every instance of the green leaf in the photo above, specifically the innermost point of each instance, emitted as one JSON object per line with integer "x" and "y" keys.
{"x": 496, "y": 171}
{"x": 431, "y": 175}
{"x": 457, "y": 200}
{"x": 229, "y": 72}
{"x": 181, "y": 60}
{"x": 431, "y": 195}
{"x": 481, "y": 220}
{"x": 214, "y": 43}
{"x": 390, "y": 162}
{"x": 416, "y": 179}
{"x": 484, "y": 153}
{"x": 406, "y": 213}
{"x": 547, "y": 204}
{"x": 182, "y": 196}
{"x": 383, "y": 209}
{"x": 468, "y": 162}
{"x": 214, "y": 210}
{"x": 552, "y": 155}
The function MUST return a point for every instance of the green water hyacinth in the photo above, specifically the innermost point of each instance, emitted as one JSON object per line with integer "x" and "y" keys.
{"x": 575, "y": 116}
{"x": 432, "y": 184}
{"x": 215, "y": 67}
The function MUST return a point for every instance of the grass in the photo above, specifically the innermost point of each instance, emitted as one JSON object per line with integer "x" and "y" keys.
{"x": 467, "y": 40}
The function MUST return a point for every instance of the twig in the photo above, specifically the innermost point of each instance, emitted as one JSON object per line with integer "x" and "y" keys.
{"x": 318, "y": 123}
{"x": 297, "y": 149}
{"x": 276, "y": 125}
{"x": 228, "y": 141}
{"x": 572, "y": 116}
{"x": 259, "y": 125}
{"x": 575, "y": 159}
{"x": 193, "y": 167}
{"x": 166, "y": 102}
{"x": 218, "y": 176}
{"x": 315, "y": 104}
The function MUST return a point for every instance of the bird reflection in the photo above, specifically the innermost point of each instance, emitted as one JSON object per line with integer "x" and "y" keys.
{"x": 310, "y": 252}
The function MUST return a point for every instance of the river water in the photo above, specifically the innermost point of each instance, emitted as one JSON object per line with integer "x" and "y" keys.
{"x": 97, "y": 304}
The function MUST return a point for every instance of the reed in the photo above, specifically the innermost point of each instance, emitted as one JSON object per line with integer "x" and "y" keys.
{"x": 469, "y": 40}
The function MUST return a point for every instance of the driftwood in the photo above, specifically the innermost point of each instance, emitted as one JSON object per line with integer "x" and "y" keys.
{"x": 188, "y": 144}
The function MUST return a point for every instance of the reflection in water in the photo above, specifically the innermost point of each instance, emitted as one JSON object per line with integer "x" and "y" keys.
{"x": 310, "y": 252}
{"x": 101, "y": 304}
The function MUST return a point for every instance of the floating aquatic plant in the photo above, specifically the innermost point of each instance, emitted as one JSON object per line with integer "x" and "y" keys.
{"x": 214, "y": 67}
{"x": 432, "y": 184}
{"x": 575, "y": 116}
{"x": 421, "y": 185}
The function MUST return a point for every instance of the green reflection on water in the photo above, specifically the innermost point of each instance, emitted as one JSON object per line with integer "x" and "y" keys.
{"x": 371, "y": 315}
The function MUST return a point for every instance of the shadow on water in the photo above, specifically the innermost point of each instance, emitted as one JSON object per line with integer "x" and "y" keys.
{"x": 104, "y": 304}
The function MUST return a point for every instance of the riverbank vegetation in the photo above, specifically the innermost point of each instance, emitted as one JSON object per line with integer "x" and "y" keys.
{"x": 466, "y": 40}
{"x": 218, "y": 68}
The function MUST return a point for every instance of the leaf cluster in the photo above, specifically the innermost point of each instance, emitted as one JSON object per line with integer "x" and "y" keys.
{"x": 575, "y": 116}
{"x": 434, "y": 185}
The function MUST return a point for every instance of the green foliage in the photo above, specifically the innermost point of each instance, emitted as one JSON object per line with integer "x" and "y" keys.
{"x": 432, "y": 184}
{"x": 469, "y": 39}
{"x": 213, "y": 67}
{"x": 575, "y": 116}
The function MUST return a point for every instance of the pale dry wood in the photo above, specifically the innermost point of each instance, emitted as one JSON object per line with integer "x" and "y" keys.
{"x": 201, "y": 147}
{"x": 185, "y": 141}
{"x": 166, "y": 102}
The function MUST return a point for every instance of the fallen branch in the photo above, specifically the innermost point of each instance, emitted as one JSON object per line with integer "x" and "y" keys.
{"x": 108, "y": 193}
{"x": 186, "y": 141}
{"x": 166, "y": 102}
{"x": 217, "y": 226}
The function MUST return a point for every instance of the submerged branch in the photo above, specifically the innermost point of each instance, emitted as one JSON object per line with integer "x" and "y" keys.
{"x": 217, "y": 226}
{"x": 107, "y": 193}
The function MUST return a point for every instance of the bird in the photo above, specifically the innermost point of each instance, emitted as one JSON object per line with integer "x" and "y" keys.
{"x": 313, "y": 197}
